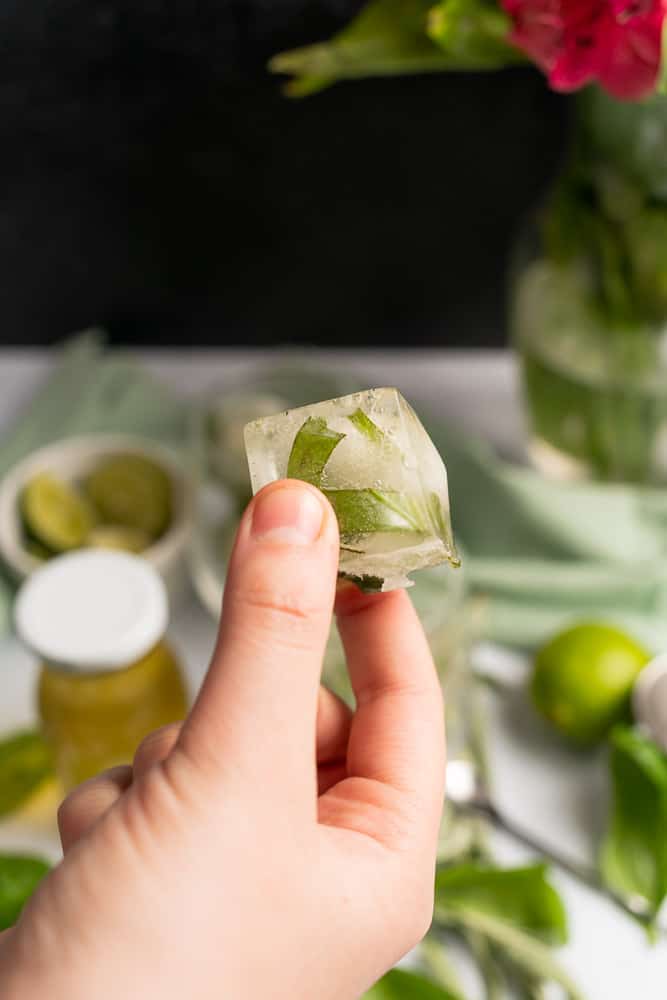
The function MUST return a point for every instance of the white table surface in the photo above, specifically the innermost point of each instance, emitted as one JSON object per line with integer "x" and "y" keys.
{"x": 551, "y": 791}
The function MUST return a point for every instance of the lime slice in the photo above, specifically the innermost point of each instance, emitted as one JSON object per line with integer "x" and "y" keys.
{"x": 132, "y": 491}
{"x": 120, "y": 537}
{"x": 55, "y": 516}
{"x": 583, "y": 678}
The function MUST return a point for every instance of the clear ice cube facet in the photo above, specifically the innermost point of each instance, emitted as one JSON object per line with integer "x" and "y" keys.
{"x": 372, "y": 458}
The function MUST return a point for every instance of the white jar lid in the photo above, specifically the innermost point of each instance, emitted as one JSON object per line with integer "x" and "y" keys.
{"x": 92, "y": 610}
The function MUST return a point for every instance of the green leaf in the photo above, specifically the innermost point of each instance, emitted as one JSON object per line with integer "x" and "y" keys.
{"x": 519, "y": 896}
{"x": 388, "y": 37}
{"x": 473, "y": 32}
{"x": 365, "y": 426}
{"x": 19, "y": 877}
{"x": 25, "y": 763}
{"x": 362, "y": 512}
{"x": 634, "y": 854}
{"x": 366, "y": 584}
{"x": 313, "y": 446}
{"x": 527, "y": 954}
{"x": 402, "y": 985}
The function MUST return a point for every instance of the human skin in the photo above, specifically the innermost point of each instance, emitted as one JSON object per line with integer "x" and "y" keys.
{"x": 276, "y": 845}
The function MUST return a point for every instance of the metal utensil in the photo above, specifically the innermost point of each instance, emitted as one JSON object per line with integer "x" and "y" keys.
{"x": 467, "y": 791}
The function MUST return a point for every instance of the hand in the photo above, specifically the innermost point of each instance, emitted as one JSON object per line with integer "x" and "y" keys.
{"x": 224, "y": 863}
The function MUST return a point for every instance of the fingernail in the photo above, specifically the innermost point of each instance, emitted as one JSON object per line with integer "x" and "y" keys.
{"x": 291, "y": 515}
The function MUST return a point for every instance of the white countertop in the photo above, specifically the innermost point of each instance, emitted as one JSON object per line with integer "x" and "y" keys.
{"x": 557, "y": 794}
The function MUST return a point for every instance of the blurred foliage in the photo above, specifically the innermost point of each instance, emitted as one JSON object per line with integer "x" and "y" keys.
{"x": 634, "y": 854}
{"x": 25, "y": 763}
{"x": 19, "y": 877}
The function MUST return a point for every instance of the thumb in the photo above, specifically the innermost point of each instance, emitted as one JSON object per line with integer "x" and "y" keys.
{"x": 256, "y": 713}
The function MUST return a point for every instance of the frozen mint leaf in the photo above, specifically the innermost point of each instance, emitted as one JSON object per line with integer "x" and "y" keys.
{"x": 312, "y": 449}
{"x": 402, "y": 985}
{"x": 19, "y": 877}
{"x": 25, "y": 763}
{"x": 634, "y": 854}
{"x": 365, "y": 426}
{"x": 520, "y": 896}
{"x": 367, "y": 584}
{"x": 387, "y": 37}
{"x": 473, "y": 32}
{"x": 363, "y": 512}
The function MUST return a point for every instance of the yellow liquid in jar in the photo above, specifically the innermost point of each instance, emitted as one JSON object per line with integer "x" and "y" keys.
{"x": 94, "y": 721}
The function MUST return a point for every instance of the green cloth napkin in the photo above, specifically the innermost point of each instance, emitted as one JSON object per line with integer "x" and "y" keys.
{"x": 546, "y": 554}
{"x": 542, "y": 554}
{"x": 89, "y": 392}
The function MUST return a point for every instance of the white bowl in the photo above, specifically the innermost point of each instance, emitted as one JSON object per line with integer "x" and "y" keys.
{"x": 73, "y": 458}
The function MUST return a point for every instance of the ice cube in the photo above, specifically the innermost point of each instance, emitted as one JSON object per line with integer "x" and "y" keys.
{"x": 372, "y": 458}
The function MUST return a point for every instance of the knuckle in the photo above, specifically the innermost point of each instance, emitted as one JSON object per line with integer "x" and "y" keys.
{"x": 157, "y": 743}
{"x": 288, "y": 609}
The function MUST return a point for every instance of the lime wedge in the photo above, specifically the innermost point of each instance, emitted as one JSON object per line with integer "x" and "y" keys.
{"x": 133, "y": 492}
{"x": 55, "y": 515}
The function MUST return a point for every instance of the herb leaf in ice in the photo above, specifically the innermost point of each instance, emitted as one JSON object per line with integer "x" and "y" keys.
{"x": 313, "y": 446}
{"x": 362, "y": 512}
{"x": 365, "y": 426}
{"x": 359, "y": 512}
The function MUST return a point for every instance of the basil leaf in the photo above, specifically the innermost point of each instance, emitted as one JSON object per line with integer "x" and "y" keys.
{"x": 402, "y": 985}
{"x": 520, "y": 896}
{"x": 362, "y": 512}
{"x": 25, "y": 762}
{"x": 366, "y": 584}
{"x": 387, "y": 37}
{"x": 19, "y": 877}
{"x": 312, "y": 448}
{"x": 634, "y": 854}
{"x": 365, "y": 426}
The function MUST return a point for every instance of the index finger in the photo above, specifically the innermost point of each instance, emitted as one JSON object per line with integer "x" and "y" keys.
{"x": 397, "y": 735}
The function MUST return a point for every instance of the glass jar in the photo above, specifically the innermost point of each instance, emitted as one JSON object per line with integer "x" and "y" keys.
{"x": 97, "y": 622}
{"x": 589, "y": 301}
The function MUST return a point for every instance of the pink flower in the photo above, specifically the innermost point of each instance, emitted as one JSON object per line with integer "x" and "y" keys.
{"x": 616, "y": 42}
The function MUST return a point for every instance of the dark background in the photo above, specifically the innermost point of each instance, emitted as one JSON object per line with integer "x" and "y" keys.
{"x": 153, "y": 179}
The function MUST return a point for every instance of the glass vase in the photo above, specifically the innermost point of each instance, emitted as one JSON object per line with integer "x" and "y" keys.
{"x": 589, "y": 301}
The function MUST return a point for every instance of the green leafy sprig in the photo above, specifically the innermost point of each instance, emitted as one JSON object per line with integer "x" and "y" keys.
{"x": 634, "y": 854}
{"x": 391, "y": 37}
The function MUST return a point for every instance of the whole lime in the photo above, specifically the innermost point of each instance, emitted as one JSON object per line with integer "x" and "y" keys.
{"x": 582, "y": 680}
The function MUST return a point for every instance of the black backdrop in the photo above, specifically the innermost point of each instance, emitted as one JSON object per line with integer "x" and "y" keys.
{"x": 154, "y": 180}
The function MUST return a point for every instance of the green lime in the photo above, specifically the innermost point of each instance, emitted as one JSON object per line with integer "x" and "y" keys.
{"x": 132, "y": 491}
{"x": 582, "y": 680}
{"x": 117, "y": 536}
{"x": 55, "y": 515}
